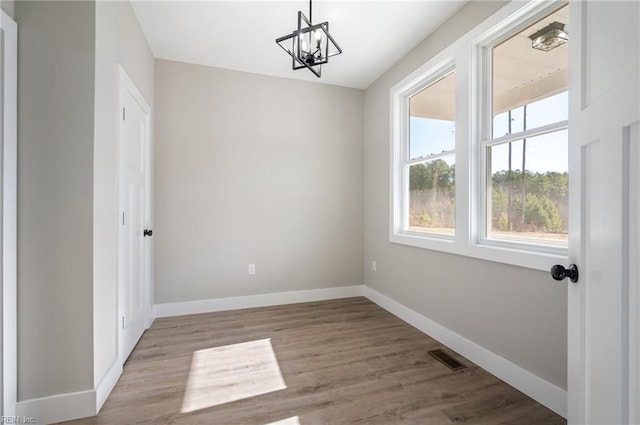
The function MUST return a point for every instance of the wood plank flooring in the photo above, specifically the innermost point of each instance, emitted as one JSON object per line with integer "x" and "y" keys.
{"x": 332, "y": 362}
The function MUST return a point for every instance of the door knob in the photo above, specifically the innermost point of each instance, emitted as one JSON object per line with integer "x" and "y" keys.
{"x": 147, "y": 232}
{"x": 558, "y": 272}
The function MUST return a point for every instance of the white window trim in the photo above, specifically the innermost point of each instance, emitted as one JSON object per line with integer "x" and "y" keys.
{"x": 401, "y": 124}
{"x": 467, "y": 56}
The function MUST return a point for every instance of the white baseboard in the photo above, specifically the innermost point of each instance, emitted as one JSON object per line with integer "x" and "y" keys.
{"x": 59, "y": 407}
{"x": 70, "y": 406}
{"x": 109, "y": 380}
{"x": 251, "y": 301}
{"x": 544, "y": 392}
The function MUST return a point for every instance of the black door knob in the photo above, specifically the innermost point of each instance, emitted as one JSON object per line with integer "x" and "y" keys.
{"x": 558, "y": 272}
{"x": 147, "y": 232}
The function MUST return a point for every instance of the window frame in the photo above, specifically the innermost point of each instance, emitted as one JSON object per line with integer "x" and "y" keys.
{"x": 469, "y": 57}
{"x": 446, "y": 69}
{"x": 485, "y": 115}
{"x": 402, "y": 158}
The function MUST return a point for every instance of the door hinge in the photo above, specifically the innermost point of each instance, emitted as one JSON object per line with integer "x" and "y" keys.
{"x": 124, "y": 115}
{"x": 123, "y": 218}
{"x": 122, "y": 322}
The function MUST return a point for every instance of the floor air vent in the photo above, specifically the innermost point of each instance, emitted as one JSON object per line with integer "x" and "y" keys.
{"x": 446, "y": 359}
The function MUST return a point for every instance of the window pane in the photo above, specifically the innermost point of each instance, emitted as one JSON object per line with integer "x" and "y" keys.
{"x": 531, "y": 206}
{"x": 528, "y": 83}
{"x": 549, "y": 110}
{"x": 509, "y": 122}
{"x": 432, "y": 198}
{"x": 432, "y": 119}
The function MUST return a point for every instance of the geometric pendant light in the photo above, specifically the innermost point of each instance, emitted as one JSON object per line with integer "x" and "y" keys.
{"x": 310, "y": 46}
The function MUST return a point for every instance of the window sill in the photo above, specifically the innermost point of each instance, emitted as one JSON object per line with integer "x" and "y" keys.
{"x": 522, "y": 256}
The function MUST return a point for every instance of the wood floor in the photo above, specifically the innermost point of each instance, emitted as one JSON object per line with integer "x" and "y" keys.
{"x": 331, "y": 362}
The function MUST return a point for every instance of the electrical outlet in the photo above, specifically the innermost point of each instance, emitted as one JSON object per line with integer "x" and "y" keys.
{"x": 374, "y": 265}
{"x": 252, "y": 269}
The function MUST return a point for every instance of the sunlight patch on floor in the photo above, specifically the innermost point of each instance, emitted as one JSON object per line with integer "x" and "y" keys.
{"x": 294, "y": 420}
{"x": 232, "y": 372}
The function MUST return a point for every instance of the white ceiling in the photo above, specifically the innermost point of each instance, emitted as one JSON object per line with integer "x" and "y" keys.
{"x": 240, "y": 35}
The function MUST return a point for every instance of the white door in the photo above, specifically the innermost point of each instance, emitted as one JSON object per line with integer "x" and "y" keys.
{"x": 133, "y": 263}
{"x": 604, "y": 123}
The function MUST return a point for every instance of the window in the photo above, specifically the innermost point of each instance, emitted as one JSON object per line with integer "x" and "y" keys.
{"x": 425, "y": 157}
{"x": 526, "y": 186}
{"x": 431, "y": 158}
{"x": 479, "y": 158}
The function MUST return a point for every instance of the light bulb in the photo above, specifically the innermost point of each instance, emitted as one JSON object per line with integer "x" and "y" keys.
{"x": 318, "y": 38}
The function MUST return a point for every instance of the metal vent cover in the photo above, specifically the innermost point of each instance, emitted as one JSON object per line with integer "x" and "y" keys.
{"x": 446, "y": 359}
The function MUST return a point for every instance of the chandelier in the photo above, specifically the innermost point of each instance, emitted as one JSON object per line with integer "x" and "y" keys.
{"x": 310, "y": 46}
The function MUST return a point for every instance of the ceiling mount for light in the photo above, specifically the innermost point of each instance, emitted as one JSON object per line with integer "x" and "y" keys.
{"x": 549, "y": 37}
{"x": 310, "y": 46}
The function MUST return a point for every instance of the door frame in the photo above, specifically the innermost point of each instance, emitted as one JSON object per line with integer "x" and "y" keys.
{"x": 9, "y": 166}
{"x": 126, "y": 86}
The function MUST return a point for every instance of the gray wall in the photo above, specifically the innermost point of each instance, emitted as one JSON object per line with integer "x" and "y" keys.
{"x": 517, "y": 313}
{"x": 119, "y": 39}
{"x": 8, "y": 7}
{"x": 55, "y": 196}
{"x": 254, "y": 169}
